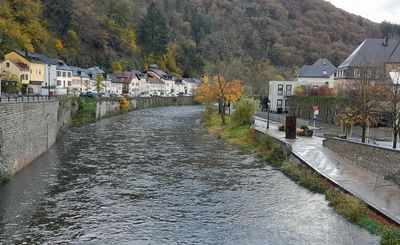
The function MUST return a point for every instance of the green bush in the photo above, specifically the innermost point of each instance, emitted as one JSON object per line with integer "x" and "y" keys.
{"x": 347, "y": 205}
{"x": 86, "y": 112}
{"x": 4, "y": 177}
{"x": 244, "y": 112}
{"x": 303, "y": 177}
{"x": 275, "y": 157}
{"x": 304, "y": 127}
{"x": 390, "y": 236}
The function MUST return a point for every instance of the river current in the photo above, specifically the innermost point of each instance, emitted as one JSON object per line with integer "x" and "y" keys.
{"x": 155, "y": 176}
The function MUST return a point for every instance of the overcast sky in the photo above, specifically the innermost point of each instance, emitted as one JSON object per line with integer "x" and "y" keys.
{"x": 375, "y": 10}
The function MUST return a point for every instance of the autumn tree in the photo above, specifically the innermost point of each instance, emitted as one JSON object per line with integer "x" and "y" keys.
{"x": 221, "y": 91}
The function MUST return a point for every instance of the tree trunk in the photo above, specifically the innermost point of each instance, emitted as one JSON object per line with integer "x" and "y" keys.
{"x": 395, "y": 135}
{"x": 221, "y": 106}
{"x": 363, "y": 134}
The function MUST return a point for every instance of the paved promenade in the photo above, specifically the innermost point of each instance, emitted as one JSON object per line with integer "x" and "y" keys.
{"x": 380, "y": 194}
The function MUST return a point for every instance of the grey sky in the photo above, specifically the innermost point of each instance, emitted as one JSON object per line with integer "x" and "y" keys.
{"x": 375, "y": 10}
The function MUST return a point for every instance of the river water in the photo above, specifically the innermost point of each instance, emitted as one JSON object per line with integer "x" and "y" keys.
{"x": 156, "y": 177}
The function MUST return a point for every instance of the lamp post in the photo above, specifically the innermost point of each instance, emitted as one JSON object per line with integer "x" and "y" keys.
{"x": 268, "y": 105}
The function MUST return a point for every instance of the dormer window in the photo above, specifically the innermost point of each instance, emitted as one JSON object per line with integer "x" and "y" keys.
{"x": 324, "y": 63}
{"x": 324, "y": 72}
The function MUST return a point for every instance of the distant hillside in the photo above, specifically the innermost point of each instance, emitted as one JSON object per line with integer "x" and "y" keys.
{"x": 85, "y": 32}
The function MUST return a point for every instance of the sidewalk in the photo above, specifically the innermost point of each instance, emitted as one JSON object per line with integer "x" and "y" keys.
{"x": 380, "y": 194}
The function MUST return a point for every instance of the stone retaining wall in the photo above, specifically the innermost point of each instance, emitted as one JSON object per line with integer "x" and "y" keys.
{"x": 28, "y": 129}
{"x": 287, "y": 148}
{"x": 383, "y": 161}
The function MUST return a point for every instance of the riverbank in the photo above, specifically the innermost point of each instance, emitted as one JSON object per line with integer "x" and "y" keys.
{"x": 264, "y": 147}
{"x": 29, "y": 128}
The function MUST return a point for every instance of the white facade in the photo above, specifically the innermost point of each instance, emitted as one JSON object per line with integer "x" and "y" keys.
{"x": 64, "y": 80}
{"x": 280, "y": 92}
{"x": 318, "y": 81}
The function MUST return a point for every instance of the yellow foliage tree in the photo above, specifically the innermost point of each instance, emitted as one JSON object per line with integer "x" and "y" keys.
{"x": 221, "y": 91}
{"x": 116, "y": 66}
{"x": 299, "y": 91}
{"x": 59, "y": 45}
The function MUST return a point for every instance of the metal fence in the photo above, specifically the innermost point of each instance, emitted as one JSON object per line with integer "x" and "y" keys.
{"x": 30, "y": 98}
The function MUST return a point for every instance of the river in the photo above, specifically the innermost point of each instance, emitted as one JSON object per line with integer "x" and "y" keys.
{"x": 155, "y": 176}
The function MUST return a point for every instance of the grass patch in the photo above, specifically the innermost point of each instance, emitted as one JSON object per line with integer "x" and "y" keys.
{"x": 304, "y": 177}
{"x": 347, "y": 205}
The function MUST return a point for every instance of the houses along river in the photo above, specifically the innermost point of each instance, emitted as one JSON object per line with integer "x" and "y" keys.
{"x": 155, "y": 176}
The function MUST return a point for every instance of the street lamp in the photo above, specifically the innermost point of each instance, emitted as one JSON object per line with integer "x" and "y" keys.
{"x": 268, "y": 106}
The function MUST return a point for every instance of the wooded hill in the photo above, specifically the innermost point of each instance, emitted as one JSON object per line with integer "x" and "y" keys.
{"x": 254, "y": 33}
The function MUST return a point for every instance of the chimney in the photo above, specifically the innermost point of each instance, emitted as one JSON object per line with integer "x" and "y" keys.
{"x": 386, "y": 40}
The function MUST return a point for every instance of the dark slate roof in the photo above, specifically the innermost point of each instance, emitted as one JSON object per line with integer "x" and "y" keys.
{"x": 373, "y": 52}
{"x": 114, "y": 79}
{"x": 60, "y": 64}
{"x": 35, "y": 57}
{"x": 79, "y": 71}
{"x": 191, "y": 80}
{"x": 317, "y": 69}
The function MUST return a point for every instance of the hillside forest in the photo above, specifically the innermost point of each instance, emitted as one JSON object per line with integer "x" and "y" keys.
{"x": 251, "y": 40}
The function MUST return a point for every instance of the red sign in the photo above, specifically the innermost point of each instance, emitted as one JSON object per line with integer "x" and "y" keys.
{"x": 315, "y": 107}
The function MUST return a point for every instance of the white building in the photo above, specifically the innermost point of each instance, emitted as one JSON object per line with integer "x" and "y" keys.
{"x": 80, "y": 81}
{"x": 279, "y": 95}
{"x": 64, "y": 78}
{"x": 190, "y": 85}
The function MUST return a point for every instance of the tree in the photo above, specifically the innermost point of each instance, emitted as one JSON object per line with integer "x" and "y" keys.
{"x": 99, "y": 82}
{"x": 221, "y": 91}
{"x": 116, "y": 66}
{"x": 366, "y": 91}
{"x": 393, "y": 107}
{"x": 153, "y": 31}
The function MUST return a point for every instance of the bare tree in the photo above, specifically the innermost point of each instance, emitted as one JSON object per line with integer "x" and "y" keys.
{"x": 366, "y": 92}
{"x": 393, "y": 94}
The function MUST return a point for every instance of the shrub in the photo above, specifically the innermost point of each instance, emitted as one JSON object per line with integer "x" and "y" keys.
{"x": 244, "y": 112}
{"x": 390, "y": 236}
{"x": 124, "y": 103}
{"x": 304, "y": 177}
{"x": 347, "y": 205}
{"x": 4, "y": 177}
{"x": 276, "y": 157}
{"x": 86, "y": 112}
{"x": 304, "y": 127}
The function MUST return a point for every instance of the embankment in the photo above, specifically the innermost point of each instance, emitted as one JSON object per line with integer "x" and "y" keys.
{"x": 28, "y": 129}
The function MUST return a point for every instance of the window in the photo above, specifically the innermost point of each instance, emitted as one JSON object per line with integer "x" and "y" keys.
{"x": 58, "y": 73}
{"x": 279, "y": 103}
{"x": 64, "y": 84}
{"x": 22, "y": 77}
{"x": 26, "y": 77}
{"x": 280, "y": 89}
{"x": 69, "y": 74}
{"x": 69, "y": 83}
{"x": 324, "y": 72}
{"x": 40, "y": 72}
{"x": 64, "y": 74}
{"x": 287, "y": 104}
{"x": 288, "y": 89}
{"x": 58, "y": 83}
{"x": 315, "y": 86}
{"x": 8, "y": 65}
